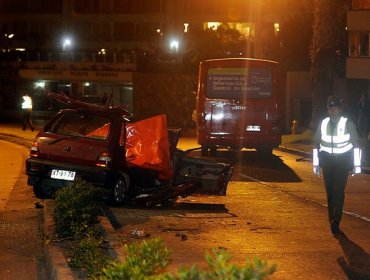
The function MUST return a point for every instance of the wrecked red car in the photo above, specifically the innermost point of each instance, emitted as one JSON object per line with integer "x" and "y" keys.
{"x": 135, "y": 162}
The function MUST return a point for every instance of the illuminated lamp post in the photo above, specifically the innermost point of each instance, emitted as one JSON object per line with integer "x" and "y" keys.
{"x": 66, "y": 46}
{"x": 174, "y": 48}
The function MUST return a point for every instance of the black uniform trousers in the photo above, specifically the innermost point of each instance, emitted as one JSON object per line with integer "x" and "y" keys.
{"x": 26, "y": 119}
{"x": 335, "y": 168}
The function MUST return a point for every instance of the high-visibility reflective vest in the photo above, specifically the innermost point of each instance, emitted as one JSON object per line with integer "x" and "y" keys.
{"x": 27, "y": 102}
{"x": 338, "y": 143}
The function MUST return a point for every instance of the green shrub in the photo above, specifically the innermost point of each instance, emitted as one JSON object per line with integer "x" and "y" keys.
{"x": 88, "y": 256}
{"x": 77, "y": 208}
{"x": 220, "y": 268}
{"x": 143, "y": 260}
{"x": 149, "y": 260}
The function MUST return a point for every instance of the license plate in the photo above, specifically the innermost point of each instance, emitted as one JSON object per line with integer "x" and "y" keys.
{"x": 253, "y": 128}
{"x": 63, "y": 174}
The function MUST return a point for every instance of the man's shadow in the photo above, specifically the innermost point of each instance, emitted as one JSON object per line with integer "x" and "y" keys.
{"x": 356, "y": 262}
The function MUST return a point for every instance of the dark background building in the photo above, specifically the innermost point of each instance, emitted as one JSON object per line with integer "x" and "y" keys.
{"x": 88, "y": 48}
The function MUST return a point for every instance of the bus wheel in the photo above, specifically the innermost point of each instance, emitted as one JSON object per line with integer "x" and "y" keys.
{"x": 213, "y": 151}
{"x": 204, "y": 151}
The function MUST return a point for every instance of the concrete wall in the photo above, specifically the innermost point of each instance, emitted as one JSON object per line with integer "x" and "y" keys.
{"x": 298, "y": 98}
{"x": 358, "y": 68}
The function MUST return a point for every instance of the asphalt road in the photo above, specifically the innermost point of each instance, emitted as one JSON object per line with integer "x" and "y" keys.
{"x": 274, "y": 211}
{"x": 21, "y": 254}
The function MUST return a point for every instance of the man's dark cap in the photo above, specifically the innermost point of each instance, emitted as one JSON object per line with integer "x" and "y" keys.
{"x": 334, "y": 101}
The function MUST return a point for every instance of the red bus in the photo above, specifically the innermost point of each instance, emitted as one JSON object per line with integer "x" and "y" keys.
{"x": 237, "y": 105}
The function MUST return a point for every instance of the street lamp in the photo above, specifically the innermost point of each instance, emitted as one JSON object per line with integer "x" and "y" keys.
{"x": 66, "y": 46}
{"x": 66, "y": 43}
{"x": 174, "y": 45}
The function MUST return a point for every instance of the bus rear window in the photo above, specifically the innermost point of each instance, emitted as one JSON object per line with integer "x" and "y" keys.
{"x": 238, "y": 83}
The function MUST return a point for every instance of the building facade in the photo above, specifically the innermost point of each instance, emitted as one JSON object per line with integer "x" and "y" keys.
{"x": 358, "y": 62}
{"x": 358, "y": 26}
{"x": 87, "y": 48}
{"x": 116, "y": 25}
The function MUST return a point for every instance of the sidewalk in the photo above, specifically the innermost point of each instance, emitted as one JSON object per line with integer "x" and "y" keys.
{"x": 300, "y": 144}
{"x": 13, "y": 132}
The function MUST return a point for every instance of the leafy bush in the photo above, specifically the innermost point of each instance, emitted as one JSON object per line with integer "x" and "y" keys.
{"x": 220, "y": 268}
{"x": 88, "y": 256}
{"x": 149, "y": 260}
{"x": 142, "y": 260}
{"x": 77, "y": 208}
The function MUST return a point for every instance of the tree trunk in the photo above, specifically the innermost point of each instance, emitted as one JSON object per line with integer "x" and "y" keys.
{"x": 327, "y": 41}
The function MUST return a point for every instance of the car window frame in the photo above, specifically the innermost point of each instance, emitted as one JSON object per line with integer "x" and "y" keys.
{"x": 80, "y": 132}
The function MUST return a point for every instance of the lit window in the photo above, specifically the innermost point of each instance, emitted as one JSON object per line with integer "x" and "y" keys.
{"x": 40, "y": 84}
{"x": 213, "y": 25}
{"x": 276, "y": 28}
{"x": 359, "y": 44}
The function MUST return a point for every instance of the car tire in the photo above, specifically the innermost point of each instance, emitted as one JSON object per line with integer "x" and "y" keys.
{"x": 120, "y": 191}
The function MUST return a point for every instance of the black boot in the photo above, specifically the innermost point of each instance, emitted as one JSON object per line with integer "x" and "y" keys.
{"x": 335, "y": 227}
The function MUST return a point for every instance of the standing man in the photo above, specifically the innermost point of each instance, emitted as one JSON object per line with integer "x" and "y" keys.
{"x": 337, "y": 152}
{"x": 26, "y": 111}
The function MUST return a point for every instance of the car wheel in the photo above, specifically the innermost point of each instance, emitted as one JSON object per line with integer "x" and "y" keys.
{"x": 120, "y": 192}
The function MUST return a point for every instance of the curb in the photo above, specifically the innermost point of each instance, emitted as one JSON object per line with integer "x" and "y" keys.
{"x": 56, "y": 264}
{"x": 115, "y": 245}
{"x": 308, "y": 156}
{"x": 17, "y": 140}
{"x": 295, "y": 152}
